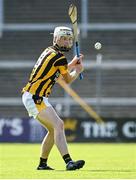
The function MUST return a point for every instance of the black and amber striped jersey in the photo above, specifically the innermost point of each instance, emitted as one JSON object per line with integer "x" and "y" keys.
{"x": 46, "y": 71}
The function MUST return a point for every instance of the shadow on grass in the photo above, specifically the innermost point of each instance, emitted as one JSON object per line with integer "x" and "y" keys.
{"x": 100, "y": 170}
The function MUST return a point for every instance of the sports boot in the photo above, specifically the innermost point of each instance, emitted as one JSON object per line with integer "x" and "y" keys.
{"x": 44, "y": 168}
{"x": 73, "y": 165}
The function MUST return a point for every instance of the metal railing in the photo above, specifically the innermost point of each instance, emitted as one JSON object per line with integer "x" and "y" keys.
{"x": 84, "y": 26}
{"x": 107, "y": 101}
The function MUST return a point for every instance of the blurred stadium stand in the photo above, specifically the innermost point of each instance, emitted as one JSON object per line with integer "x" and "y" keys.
{"x": 25, "y": 28}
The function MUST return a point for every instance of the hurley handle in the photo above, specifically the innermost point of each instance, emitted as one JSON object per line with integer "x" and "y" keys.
{"x": 78, "y": 55}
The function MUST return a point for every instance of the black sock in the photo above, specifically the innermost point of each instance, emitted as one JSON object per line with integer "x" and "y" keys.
{"x": 43, "y": 162}
{"x": 67, "y": 158}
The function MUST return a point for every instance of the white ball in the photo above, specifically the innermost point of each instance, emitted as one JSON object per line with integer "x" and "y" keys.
{"x": 98, "y": 45}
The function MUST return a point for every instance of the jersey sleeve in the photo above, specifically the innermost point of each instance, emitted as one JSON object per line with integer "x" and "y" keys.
{"x": 62, "y": 65}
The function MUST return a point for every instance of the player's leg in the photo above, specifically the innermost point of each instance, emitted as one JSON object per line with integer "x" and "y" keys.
{"x": 33, "y": 106}
{"x": 51, "y": 116}
{"x": 48, "y": 140}
{"x": 46, "y": 145}
{"x": 40, "y": 109}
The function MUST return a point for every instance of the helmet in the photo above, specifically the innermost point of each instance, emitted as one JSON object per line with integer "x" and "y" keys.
{"x": 63, "y": 31}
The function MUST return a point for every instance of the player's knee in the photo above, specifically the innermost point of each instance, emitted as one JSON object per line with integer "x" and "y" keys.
{"x": 51, "y": 130}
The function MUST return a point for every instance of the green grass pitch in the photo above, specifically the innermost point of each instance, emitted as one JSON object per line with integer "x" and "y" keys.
{"x": 103, "y": 161}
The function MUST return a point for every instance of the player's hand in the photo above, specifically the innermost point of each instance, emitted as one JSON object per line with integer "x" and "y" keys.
{"x": 76, "y": 60}
{"x": 79, "y": 67}
{"x": 80, "y": 59}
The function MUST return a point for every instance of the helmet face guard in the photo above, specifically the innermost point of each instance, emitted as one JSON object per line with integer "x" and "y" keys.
{"x": 63, "y": 32}
{"x": 64, "y": 49}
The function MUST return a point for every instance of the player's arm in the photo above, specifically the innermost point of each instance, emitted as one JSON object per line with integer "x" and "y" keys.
{"x": 75, "y": 67}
